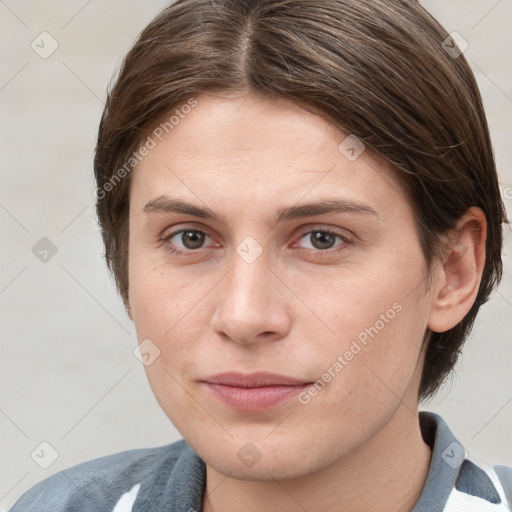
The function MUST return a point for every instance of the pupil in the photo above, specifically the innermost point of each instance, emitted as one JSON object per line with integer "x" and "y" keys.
{"x": 322, "y": 240}
{"x": 192, "y": 239}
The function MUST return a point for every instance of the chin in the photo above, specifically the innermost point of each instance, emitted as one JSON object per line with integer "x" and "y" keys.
{"x": 263, "y": 460}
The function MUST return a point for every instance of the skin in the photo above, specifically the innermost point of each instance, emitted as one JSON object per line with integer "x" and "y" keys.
{"x": 356, "y": 445}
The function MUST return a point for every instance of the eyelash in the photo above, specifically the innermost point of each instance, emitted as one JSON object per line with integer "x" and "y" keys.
{"x": 347, "y": 242}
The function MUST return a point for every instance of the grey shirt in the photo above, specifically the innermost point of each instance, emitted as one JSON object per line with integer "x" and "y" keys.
{"x": 173, "y": 478}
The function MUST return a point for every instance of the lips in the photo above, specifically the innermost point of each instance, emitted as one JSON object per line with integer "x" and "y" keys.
{"x": 253, "y": 380}
{"x": 254, "y": 392}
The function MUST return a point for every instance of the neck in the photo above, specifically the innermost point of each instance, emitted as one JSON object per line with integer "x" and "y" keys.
{"x": 387, "y": 473}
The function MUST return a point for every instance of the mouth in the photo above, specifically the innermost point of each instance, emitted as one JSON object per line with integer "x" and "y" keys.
{"x": 254, "y": 392}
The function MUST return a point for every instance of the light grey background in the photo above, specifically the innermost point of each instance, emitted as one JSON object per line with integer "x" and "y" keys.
{"x": 67, "y": 369}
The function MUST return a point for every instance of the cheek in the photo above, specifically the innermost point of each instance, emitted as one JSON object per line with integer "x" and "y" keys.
{"x": 160, "y": 296}
{"x": 368, "y": 305}
{"x": 165, "y": 311}
{"x": 171, "y": 309}
{"x": 378, "y": 322}
{"x": 363, "y": 379}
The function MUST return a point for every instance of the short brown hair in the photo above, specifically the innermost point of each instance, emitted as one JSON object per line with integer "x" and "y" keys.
{"x": 378, "y": 69}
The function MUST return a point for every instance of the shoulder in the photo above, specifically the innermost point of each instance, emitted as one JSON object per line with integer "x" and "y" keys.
{"x": 99, "y": 484}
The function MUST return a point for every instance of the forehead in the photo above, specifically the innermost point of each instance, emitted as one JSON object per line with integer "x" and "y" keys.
{"x": 260, "y": 151}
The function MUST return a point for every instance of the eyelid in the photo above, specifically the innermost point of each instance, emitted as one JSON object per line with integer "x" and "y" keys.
{"x": 174, "y": 230}
{"x": 168, "y": 234}
{"x": 341, "y": 232}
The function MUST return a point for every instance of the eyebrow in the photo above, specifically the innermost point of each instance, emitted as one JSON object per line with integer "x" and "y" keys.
{"x": 166, "y": 204}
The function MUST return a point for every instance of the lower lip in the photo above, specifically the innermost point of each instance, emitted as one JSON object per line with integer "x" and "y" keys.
{"x": 254, "y": 399}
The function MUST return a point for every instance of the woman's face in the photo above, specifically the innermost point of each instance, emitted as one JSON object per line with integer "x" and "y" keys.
{"x": 263, "y": 240}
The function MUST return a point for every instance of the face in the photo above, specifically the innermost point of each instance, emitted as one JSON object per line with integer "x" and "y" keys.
{"x": 263, "y": 249}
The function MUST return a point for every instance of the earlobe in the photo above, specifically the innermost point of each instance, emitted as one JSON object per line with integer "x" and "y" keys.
{"x": 458, "y": 277}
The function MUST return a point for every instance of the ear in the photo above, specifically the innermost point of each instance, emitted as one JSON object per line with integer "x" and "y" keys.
{"x": 458, "y": 276}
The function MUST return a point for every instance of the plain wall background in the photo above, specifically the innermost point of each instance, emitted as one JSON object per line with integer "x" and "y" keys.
{"x": 67, "y": 370}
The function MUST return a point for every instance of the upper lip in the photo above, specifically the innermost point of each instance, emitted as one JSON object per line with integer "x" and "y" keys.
{"x": 253, "y": 380}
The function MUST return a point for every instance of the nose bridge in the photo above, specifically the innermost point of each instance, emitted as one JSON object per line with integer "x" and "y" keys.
{"x": 248, "y": 283}
{"x": 248, "y": 305}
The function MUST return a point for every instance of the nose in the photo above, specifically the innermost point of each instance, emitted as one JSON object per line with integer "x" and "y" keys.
{"x": 252, "y": 304}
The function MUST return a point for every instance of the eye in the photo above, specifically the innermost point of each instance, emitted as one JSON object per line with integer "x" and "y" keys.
{"x": 184, "y": 240}
{"x": 324, "y": 239}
